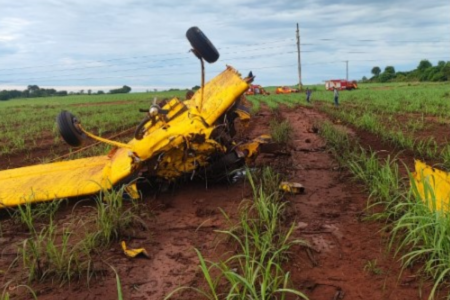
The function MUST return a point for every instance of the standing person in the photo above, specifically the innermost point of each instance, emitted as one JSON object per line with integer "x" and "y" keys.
{"x": 308, "y": 95}
{"x": 336, "y": 97}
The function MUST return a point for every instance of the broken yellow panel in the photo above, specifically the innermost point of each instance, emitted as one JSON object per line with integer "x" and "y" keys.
{"x": 433, "y": 186}
{"x": 133, "y": 252}
{"x": 219, "y": 94}
{"x": 292, "y": 187}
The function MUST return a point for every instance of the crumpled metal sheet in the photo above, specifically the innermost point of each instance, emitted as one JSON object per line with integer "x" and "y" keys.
{"x": 133, "y": 252}
{"x": 432, "y": 185}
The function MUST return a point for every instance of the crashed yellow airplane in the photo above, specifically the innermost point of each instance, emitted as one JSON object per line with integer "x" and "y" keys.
{"x": 176, "y": 138}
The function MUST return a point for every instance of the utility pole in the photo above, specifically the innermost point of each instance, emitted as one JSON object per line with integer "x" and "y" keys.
{"x": 299, "y": 60}
{"x": 346, "y": 70}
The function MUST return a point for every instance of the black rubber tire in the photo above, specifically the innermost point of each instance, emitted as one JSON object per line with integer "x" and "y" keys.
{"x": 202, "y": 45}
{"x": 69, "y": 132}
{"x": 139, "y": 133}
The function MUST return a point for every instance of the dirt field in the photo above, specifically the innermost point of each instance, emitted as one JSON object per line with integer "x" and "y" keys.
{"x": 348, "y": 259}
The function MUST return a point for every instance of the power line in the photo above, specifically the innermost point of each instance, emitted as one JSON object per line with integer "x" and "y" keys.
{"x": 140, "y": 63}
{"x": 387, "y": 41}
{"x": 171, "y": 74}
{"x": 154, "y": 61}
{"x": 150, "y": 55}
{"x": 141, "y": 68}
{"x": 180, "y": 58}
{"x": 229, "y": 47}
{"x": 183, "y": 73}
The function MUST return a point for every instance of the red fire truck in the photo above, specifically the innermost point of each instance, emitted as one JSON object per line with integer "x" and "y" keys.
{"x": 341, "y": 84}
{"x": 256, "y": 89}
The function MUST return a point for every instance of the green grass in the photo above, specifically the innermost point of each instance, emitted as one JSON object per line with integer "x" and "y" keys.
{"x": 419, "y": 234}
{"x": 28, "y": 214}
{"x": 114, "y": 217}
{"x": 24, "y": 123}
{"x": 67, "y": 252}
{"x": 255, "y": 269}
{"x": 371, "y": 267}
{"x": 281, "y": 131}
{"x": 52, "y": 254}
{"x": 5, "y": 295}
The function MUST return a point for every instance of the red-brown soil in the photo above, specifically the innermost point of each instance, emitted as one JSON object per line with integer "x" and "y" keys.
{"x": 328, "y": 215}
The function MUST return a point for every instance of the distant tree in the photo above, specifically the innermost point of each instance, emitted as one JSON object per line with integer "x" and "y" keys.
{"x": 387, "y": 75}
{"x": 425, "y": 71}
{"x": 384, "y": 77}
{"x": 376, "y": 71}
{"x": 195, "y": 88}
{"x": 389, "y": 70}
{"x": 4, "y": 96}
{"x": 446, "y": 71}
{"x": 438, "y": 76}
{"x": 400, "y": 77}
{"x": 33, "y": 88}
{"x": 89, "y": 92}
{"x": 423, "y": 65}
{"x": 61, "y": 93}
{"x": 123, "y": 90}
{"x": 100, "y": 92}
{"x": 32, "y": 91}
{"x": 364, "y": 79}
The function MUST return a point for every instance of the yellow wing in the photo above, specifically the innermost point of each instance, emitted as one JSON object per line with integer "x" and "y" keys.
{"x": 433, "y": 186}
{"x": 62, "y": 179}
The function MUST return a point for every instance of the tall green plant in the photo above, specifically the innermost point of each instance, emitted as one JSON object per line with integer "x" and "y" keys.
{"x": 255, "y": 270}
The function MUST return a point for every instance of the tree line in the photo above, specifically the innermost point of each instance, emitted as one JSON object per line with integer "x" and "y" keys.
{"x": 34, "y": 91}
{"x": 425, "y": 71}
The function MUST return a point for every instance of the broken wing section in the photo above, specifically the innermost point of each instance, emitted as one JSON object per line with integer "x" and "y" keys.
{"x": 219, "y": 94}
{"x": 63, "y": 179}
{"x": 433, "y": 186}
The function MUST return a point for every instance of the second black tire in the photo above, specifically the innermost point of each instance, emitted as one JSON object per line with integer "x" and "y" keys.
{"x": 202, "y": 45}
{"x": 69, "y": 132}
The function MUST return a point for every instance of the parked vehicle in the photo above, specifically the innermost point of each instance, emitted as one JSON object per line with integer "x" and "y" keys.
{"x": 341, "y": 84}
{"x": 256, "y": 89}
{"x": 286, "y": 90}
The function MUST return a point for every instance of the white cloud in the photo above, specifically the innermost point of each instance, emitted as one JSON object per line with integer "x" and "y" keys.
{"x": 11, "y": 28}
{"x": 117, "y": 42}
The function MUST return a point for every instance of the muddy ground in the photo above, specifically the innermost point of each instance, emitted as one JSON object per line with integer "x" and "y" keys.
{"x": 349, "y": 259}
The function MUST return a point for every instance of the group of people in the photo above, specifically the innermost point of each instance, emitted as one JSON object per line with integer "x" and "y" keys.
{"x": 335, "y": 93}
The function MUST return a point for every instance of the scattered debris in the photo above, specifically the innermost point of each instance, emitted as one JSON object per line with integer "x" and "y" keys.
{"x": 134, "y": 252}
{"x": 292, "y": 187}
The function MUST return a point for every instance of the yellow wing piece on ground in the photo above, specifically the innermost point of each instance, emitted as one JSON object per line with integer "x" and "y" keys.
{"x": 433, "y": 186}
{"x": 62, "y": 179}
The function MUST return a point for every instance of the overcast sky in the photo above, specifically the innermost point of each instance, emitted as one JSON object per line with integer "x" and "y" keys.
{"x": 100, "y": 44}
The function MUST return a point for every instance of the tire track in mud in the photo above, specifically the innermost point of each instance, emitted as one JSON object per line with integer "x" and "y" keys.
{"x": 350, "y": 258}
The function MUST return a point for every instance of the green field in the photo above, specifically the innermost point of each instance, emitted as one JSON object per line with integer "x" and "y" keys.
{"x": 410, "y": 120}
{"x": 392, "y": 125}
